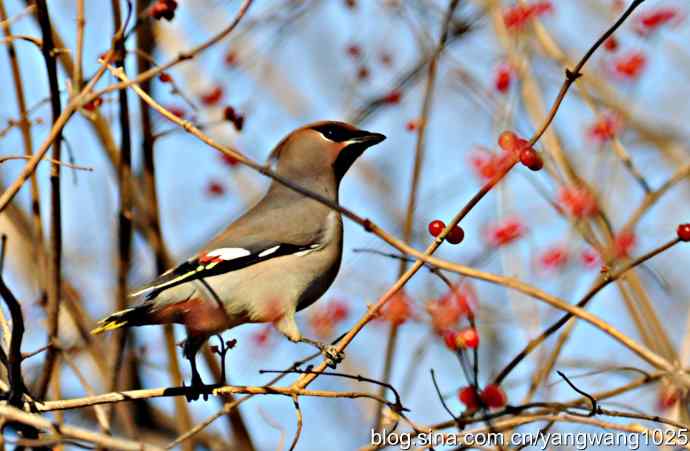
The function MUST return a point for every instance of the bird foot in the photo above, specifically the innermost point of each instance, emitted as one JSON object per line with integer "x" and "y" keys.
{"x": 197, "y": 388}
{"x": 333, "y": 356}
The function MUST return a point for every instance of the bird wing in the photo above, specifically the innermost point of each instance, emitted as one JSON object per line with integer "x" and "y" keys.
{"x": 273, "y": 228}
{"x": 219, "y": 261}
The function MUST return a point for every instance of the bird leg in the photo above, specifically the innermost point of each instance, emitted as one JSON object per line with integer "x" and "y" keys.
{"x": 190, "y": 348}
{"x": 329, "y": 351}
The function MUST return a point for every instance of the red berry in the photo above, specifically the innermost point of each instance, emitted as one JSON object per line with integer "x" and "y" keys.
{"x": 215, "y": 189}
{"x": 449, "y": 339}
{"x": 516, "y": 16}
{"x": 213, "y": 96}
{"x": 507, "y": 141}
{"x": 163, "y": 9}
{"x": 165, "y": 77}
{"x": 339, "y": 310}
{"x": 488, "y": 164}
{"x": 578, "y": 202}
{"x": 354, "y": 50}
{"x": 92, "y": 105}
{"x": 233, "y": 117}
{"x": 530, "y": 158}
{"x": 684, "y": 232}
{"x": 468, "y": 338}
{"x": 623, "y": 243}
{"x": 503, "y": 78}
{"x": 506, "y": 232}
{"x": 654, "y": 19}
{"x": 554, "y": 257}
{"x": 229, "y": 160}
{"x": 605, "y": 128}
{"x": 630, "y": 66}
{"x": 398, "y": 309}
{"x": 611, "y": 44}
{"x": 456, "y": 235}
{"x": 362, "y": 73}
{"x": 386, "y": 58}
{"x": 469, "y": 397}
{"x": 177, "y": 111}
{"x": 436, "y": 227}
{"x": 393, "y": 97}
{"x": 412, "y": 125}
{"x": 520, "y": 144}
{"x": 589, "y": 258}
{"x": 231, "y": 58}
{"x": 668, "y": 397}
{"x": 493, "y": 396}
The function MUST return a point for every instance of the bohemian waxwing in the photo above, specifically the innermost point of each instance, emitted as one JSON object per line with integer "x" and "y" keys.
{"x": 276, "y": 259}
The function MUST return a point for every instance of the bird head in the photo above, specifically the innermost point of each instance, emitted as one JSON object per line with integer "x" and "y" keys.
{"x": 322, "y": 151}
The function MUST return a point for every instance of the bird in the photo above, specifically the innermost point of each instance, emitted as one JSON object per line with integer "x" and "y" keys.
{"x": 276, "y": 259}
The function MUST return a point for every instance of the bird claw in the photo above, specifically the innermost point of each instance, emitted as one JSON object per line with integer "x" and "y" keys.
{"x": 330, "y": 352}
{"x": 333, "y": 356}
{"x": 195, "y": 389}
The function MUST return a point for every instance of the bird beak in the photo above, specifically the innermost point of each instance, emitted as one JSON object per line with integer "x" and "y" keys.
{"x": 366, "y": 139}
{"x": 353, "y": 148}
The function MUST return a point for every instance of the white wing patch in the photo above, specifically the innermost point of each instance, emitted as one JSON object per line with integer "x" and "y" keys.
{"x": 269, "y": 251}
{"x": 228, "y": 253}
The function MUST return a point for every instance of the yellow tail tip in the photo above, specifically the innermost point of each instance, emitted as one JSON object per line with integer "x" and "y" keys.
{"x": 112, "y": 325}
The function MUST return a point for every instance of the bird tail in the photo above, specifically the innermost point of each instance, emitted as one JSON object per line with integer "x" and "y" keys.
{"x": 132, "y": 316}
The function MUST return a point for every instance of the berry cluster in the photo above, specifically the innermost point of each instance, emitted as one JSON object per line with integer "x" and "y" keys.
{"x": 652, "y": 20}
{"x": 488, "y": 164}
{"x": 516, "y": 16}
{"x": 577, "y": 201}
{"x": 455, "y": 235}
{"x": 510, "y": 142}
{"x": 492, "y": 397}
{"x": 235, "y": 118}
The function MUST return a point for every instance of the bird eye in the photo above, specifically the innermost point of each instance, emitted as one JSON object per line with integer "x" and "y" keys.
{"x": 335, "y": 132}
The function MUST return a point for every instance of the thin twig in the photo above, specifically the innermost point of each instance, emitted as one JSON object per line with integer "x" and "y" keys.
{"x": 50, "y": 160}
{"x": 55, "y": 284}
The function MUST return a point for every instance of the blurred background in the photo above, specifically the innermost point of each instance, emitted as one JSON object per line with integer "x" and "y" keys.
{"x": 614, "y": 187}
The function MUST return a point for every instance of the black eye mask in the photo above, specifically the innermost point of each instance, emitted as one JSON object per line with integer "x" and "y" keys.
{"x": 357, "y": 142}
{"x": 338, "y": 133}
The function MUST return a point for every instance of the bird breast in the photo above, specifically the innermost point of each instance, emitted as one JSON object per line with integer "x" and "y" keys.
{"x": 278, "y": 286}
